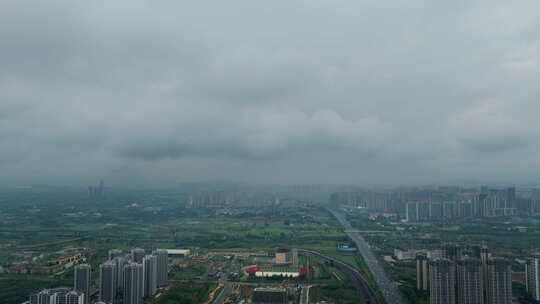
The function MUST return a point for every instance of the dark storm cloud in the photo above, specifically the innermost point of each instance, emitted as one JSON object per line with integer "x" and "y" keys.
{"x": 285, "y": 91}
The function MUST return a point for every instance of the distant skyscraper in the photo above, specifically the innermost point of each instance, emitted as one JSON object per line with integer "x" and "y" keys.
{"x": 511, "y": 196}
{"x": 465, "y": 209}
{"x": 97, "y": 190}
{"x": 484, "y": 190}
{"x": 412, "y": 211}
{"x": 101, "y": 187}
{"x": 150, "y": 275}
{"x": 532, "y": 277}
{"x": 81, "y": 280}
{"x": 107, "y": 281}
{"x": 436, "y": 211}
{"x": 422, "y": 273}
{"x": 451, "y": 251}
{"x": 162, "y": 266}
{"x": 423, "y": 211}
{"x": 442, "y": 280}
{"x": 137, "y": 255}
{"x": 133, "y": 284}
{"x": 499, "y": 284}
{"x": 470, "y": 282}
{"x": 450, "y": 209}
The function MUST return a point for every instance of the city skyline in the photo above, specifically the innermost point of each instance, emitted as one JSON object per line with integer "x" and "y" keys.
{"x": 305, "y": 152}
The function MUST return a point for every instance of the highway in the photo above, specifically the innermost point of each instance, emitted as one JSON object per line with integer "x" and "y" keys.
{"x": 227, "y": 289}
{"x": 388, "y": 288}
{"x": 227, "y": 286}
{"x": 362, "y": 287}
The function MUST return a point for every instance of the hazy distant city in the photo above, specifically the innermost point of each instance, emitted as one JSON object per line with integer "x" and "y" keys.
{"x": 237, "y": 243}
{"x": 265, "y": 152}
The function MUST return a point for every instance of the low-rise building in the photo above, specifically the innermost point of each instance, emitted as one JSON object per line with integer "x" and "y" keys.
{"x": 284, "y": 256}
{"x": 271, "y": 271}
{"x": 178, "y": 252}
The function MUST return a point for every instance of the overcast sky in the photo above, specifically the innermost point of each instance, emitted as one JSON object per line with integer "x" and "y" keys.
{"x": 282, "y": 91}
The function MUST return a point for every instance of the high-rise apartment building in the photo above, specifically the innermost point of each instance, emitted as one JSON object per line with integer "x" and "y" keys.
{"x": 57, "y": 296}
{"x": 42, "y": 297}
{"x": 532, "y": 276}
{"x": 411, "y": 212}
{"x": 435, "y": 210}
{"x": 422, "y": 271}
{"x": 422, "y": 211}
{"x": 442, "y": 279}
{"x": 150, "y": 275}
{"x": 511, "y": 196}
{"x": 120, "y": 263}
{"x": 499, "y": 282}
{"x": 81, "y": 280}
{"x": 107, "y": 282}
{"x": 451, "y": 251}
{"x": 450, "y": 209}
{"x": 137, "y": 255}
{"x": 162, "y": 266}
{"x": 72, "y": 297}
{"x": 133, "y": 284}
{"x": 470, "y": 282}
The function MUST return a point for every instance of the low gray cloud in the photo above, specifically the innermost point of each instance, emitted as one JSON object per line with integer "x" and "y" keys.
{"x": 281, "y": 92}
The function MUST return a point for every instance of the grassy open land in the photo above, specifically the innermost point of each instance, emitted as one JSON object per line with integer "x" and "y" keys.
{"x": 190, "y": 272}
{"x": 186, "y": 293}
{"x": 335, "y": 292}
{"x": 14, "y": 289}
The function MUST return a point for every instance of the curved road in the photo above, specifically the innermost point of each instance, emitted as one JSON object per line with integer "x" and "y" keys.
{"x": 388, "y": 288}
{"x": 362, "y": 287}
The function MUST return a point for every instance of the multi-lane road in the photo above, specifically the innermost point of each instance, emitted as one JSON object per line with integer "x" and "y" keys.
{"x": 388, "y": 288}
{"x": 304, "y": 295}
{"x": 228, "y": 287}
{"x": 227, "y": 290}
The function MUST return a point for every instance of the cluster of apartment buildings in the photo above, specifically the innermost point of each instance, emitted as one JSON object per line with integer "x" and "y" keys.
{"x": 489, "y": 202}
{"x": 78, "y": 295}
{"x": 134, "y": 276}
{"x": 126, "y": 278}
{"x": 438, "y": 203}
{"x": 459, "y": 279}
{"x": 57, "y": 295}
{"x": 206, "y": 199}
